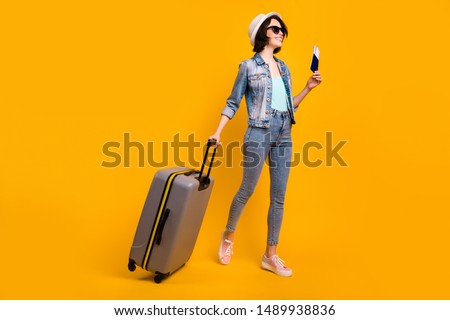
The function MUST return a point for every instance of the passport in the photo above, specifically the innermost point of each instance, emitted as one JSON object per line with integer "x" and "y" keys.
{"x": 315, "y": 59}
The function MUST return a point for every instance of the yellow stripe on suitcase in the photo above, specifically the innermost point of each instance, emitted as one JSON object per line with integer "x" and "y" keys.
{"x": 160, "y": 211}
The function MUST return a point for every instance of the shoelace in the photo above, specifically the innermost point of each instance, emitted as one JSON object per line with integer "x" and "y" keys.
{"x": 229, "y": 250}
{"x": 279, "y": 263}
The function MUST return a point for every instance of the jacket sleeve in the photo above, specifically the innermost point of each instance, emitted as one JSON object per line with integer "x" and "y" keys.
{"x": 290, "y": 89}
{"x": 239, "y": 87}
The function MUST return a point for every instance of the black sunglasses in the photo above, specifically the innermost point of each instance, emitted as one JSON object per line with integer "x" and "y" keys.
{"x": 276, "y": 29}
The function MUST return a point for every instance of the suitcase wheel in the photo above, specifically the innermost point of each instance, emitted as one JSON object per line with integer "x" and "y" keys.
{"x": 160, "y": 277}
{"x": 131, "y": 265}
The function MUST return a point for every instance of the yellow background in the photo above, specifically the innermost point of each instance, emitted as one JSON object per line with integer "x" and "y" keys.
{"x": 77, "y": 74}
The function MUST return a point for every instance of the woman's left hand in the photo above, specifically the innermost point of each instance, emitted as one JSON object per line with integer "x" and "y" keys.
{"x": 314, "y": 80}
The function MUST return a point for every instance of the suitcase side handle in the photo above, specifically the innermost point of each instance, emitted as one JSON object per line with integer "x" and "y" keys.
{"x": 161, "y": 226}
{"x": 204, "y": 180}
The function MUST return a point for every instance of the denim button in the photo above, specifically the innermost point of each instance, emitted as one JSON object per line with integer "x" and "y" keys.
{"x": 268, "y": 99}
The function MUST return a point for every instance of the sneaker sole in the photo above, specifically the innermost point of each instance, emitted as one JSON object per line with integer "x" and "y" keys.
{"x": 269, "y": 267}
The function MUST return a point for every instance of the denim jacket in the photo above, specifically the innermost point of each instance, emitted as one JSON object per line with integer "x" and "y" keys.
{"x": 254, "y": 80}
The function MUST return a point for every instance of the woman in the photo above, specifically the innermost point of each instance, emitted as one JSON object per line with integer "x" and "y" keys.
{"x": 266, "y": 83}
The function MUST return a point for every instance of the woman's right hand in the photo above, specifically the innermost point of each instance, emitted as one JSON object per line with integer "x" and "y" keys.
{"x": 215, "y": 137}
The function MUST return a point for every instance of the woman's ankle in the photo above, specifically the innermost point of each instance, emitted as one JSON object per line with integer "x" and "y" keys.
{"x": 228, "y": 235}
{"x": 271, "y": 250}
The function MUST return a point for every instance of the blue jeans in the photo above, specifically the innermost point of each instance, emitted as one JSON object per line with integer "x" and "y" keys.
{"x": 275, "y": 144}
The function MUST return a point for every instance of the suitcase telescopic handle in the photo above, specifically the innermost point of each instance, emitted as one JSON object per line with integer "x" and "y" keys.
{"x": 204, "y": 180}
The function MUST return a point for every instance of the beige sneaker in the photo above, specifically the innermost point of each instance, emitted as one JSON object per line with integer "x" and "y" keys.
{"x": 225, "y": 250}
{"x": 276, "y": 265}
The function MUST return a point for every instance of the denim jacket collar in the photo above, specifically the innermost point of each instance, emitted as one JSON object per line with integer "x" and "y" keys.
{"x": 260, "y": 61}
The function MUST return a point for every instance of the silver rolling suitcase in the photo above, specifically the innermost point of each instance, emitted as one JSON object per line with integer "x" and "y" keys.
{"x": 171, "y": 219}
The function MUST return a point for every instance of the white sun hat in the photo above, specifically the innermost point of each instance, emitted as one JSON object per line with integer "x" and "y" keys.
{"x": 256, "y": 23}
